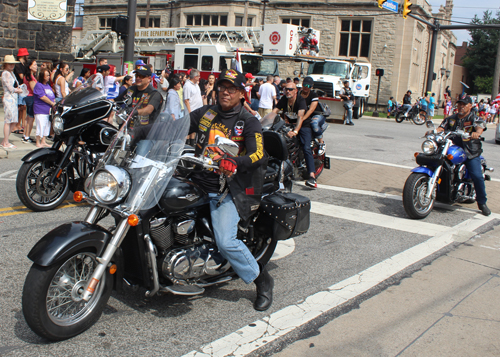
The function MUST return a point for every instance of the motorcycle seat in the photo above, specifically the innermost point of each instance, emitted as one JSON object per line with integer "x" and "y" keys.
{"x": 270, "y": 175}
{"x": 275, "y": 145}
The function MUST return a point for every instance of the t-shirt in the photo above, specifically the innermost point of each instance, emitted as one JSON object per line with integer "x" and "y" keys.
{"x": 255, "y": 90}
{"x": 42, "y": 90}
{"x": 267, "y": 91}
{"x": 27, "y": 82}
{"x": 19, "y": 69}
{"x": 151, "y": 96}
{"x": 193, "y": 93}
{"x": 432, "y": 102}
{"x": 389, "y": 104}
{"x": 291, "y": 112}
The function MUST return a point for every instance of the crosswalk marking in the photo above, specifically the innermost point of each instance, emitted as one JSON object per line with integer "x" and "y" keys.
{"x": 8, "y": 175}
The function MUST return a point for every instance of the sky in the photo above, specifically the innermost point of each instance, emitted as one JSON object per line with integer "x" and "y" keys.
{"x": 464, "y": 11}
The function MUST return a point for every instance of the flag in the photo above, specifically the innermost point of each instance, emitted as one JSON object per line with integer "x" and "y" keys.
{"x": 497, "y": 99}
{"x": 238, "y": 65}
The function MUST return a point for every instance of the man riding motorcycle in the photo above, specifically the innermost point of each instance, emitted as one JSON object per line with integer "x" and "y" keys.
{"x": 467, "y": 121}
{"x": 235, "y": 191}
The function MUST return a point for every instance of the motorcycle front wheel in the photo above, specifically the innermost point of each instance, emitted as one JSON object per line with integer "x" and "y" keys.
{"x": 33, "y": 188}
{"x": 414, "y": 201}
{"x": 419, "y": 119}
{"x": 399, "y": 117}
{"x": 52, "y": 297}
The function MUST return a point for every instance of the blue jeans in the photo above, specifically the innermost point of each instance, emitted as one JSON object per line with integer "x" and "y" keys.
{"x": 476, "y": 174}
{"x": 305, "y": 137}
{"x": 407, "y": 107}
{"x": 225, "y": 220}
{"x": 318, "y": 126}
{"x": 348, "y": 114}
{"x": 255, "y": 104}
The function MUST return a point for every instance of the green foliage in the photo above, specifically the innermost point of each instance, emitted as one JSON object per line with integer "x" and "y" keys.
{"x": 481, "y": 54}
{"x": 483, "y": 85}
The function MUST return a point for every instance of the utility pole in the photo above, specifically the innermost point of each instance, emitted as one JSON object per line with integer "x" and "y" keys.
{"x": 171, "y": 13}
{"x": 128, "y": 53}
{"x": 148, "y": 6}
{"x": 496, "y": 74}
{"x": 430, "y": 72}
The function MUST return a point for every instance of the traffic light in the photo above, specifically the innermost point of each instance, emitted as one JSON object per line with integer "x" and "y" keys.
{"x": 380, "y": 3}
{"x": 119, "y": 25}
{"x": 406, "y": 8}
{"x": 379, "y": 72}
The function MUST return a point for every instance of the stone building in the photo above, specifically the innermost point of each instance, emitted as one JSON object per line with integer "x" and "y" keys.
{"x": 45, "y": 40}
{"x": 350, "y": 29}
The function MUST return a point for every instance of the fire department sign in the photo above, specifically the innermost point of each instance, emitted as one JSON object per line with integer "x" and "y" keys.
{"x": 275, "y": 38}
{"x": 47, "y": 10}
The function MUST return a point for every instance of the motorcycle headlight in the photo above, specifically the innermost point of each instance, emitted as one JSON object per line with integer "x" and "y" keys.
{"x": 111, "y": 184}
{"x": 58, "y": 124}
{"x": 429, "y": 147}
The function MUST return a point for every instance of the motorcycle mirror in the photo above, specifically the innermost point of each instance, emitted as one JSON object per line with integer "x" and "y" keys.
{"x": 227, "y": 146}
{"x": 430, "y": 124}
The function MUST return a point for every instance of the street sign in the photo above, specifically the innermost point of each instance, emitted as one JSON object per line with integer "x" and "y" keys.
{"x": 391, "y": 6}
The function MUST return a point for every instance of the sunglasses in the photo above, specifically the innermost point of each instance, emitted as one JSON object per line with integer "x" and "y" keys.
{"x": 230, "y": 90}
{"x": 307, "y": 86}
{"x": 289, "y": 89}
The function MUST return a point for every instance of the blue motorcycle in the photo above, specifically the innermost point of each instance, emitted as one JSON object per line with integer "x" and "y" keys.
{"x": 442, "y": 175}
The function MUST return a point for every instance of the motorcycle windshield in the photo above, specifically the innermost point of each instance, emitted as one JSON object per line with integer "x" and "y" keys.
{"x": 84, "y": 94}
{"x": 150, "y": 158}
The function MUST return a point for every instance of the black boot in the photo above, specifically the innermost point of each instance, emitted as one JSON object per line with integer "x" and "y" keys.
{"x": 484, "y": 209}
{"x": 265, "y": 284}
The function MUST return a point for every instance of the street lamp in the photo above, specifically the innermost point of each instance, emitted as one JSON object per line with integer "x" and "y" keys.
{"x": 443, "y": 71}
{"x": 264, "y": 11}
{"x": 448, "y": 72}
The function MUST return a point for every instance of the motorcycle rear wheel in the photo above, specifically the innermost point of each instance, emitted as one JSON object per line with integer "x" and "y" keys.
{"x": 52, "y": 304}
{"x": 33, "y": 189}
{"x": 414, "y": 202}
{"x": 399, "y": 117}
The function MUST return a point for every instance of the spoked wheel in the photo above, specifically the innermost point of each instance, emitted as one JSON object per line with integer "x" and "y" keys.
{"x": 419, "y": 119}
{"x": 34, "y": 188}
{"x": 399, "y": 117}
{"x": 416, "y": 205}
{"x": 319, "y": 165}
{"x": 264, "y": 250}
{"x": 52, "y": 297}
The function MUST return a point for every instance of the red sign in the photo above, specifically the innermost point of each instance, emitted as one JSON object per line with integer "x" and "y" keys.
{"x": 275, "y": 38}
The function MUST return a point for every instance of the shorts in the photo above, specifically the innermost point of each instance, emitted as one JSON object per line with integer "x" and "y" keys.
{"x": 29, "y": 106}
{"x": 430, "y": 112}
{"x": 21, "y": 100}
{"x": 263, "y": 112}
{"x": 42, "y": 125}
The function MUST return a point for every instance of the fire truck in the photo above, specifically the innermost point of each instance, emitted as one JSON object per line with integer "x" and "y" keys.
{"x": 257, "y": 50}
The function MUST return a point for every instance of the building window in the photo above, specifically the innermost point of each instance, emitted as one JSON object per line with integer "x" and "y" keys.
{"x": 238, "y": 21}
{"x": 105, "y": 23}
{"x": 206, "y": 20}
{"x": 249, "y": 21}
{"x": 154, "y": 22}
{"x": 306, "y": 22}
{"x": 355, "y": 38}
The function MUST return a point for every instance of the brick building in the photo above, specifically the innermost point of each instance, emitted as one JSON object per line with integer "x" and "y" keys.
{"x": 349, "y": 29}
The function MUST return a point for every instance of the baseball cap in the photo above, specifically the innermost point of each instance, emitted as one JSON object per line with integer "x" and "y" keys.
{"x": 140, "y": 62}
{"x": 308, "y": 81}
{"x": 144, "y": 71}
{"x": 249, "y": 76}
{"x": 103, "y": 68}
{"x": 465, "y": 99}
{"x": 234, "y": 77}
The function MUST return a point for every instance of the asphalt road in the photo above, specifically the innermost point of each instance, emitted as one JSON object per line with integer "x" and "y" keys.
{"x": 353, "y": 232}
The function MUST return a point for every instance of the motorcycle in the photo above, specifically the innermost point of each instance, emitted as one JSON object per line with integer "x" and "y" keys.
{"x": 162, "y": 238}
{"x": 48, "y": 174}
{"x": 442, "y": 175}
{"x": 416, "y": 115}
{"x": 295, "y": 158}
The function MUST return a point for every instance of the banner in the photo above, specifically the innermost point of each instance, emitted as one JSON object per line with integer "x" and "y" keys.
{"x": 47, "y": 10}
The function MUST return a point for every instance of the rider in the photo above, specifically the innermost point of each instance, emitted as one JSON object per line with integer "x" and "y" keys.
{"x": 234, "y": 195}
{"x": 294, "y": 108}
{"x": 317, "y": 121}
{"x": 407, "y": 102}
{"x": 467, "y": 121}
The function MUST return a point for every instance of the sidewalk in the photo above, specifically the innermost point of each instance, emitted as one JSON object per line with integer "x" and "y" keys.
{"x": 22, "y": 148}
{"x": 448, "y": 308}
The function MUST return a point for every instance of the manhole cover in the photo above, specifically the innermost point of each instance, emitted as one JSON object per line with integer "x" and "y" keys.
{"x": 379, "y": 137}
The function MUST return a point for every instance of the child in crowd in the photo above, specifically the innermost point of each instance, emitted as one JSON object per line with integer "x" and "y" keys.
{"x": 390, "y": 106}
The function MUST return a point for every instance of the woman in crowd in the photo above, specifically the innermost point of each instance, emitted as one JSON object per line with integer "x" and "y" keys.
{"x": 61, "y": 86}
{"x": 211, "y": 92}
{"x": 30, "y": 82}
{"x": 174, "y": 101}
{"x": 255, "y": 93}
{"x": 126, "y": 83}
{"x": 10, "y": 97}
{"x": 163, "y": 84}
{"x": 44, "y": 100}
{"x": 84, "y": 75}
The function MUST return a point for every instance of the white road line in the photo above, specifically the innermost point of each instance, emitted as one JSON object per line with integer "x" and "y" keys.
{"x": 261, "y": 332}
{"x": 283, "y": 249}
{"x": 377, "y": 219}
{"x": 370, "y": 162}
{"x": 386, "y": 195}
{"x": 8, "y": 173}
{"x": 7, "y": 179}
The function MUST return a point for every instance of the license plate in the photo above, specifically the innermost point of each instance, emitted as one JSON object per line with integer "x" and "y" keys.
{"x": 327, "y": 163}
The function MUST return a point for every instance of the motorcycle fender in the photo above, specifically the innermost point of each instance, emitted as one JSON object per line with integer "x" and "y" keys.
{"x": 67, "y": 239}
{"x": 38, "y": 153}
{"x": 424, "y": 170}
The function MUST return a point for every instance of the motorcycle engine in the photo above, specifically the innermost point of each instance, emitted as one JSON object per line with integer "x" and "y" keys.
{"x": 167, "y": 231}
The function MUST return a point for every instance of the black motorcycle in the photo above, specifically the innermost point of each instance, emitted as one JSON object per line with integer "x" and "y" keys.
{"x": 416, "y": 114}
{"x": 162, "y": 237}
{"x": 295, "y": 155}
{"x": 81, "y": 138}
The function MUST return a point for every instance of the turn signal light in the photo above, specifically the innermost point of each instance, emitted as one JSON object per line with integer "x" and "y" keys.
{"x": 439, "y": 181}
{"x": 133, "y": 220}
{"x": 78, "y": 196}
{"x": 113, "y": 269}
{"x": 415, "y": 154}
{"x": 449, "y": 157}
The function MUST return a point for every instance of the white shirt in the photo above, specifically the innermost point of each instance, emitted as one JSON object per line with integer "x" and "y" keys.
{"x": 267, "y": 91}
{"x": 193, "y": 93}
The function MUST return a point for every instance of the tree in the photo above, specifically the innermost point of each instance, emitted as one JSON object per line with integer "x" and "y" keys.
{"x": 483, "y": 84}
{"x": 482, "y": 51}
